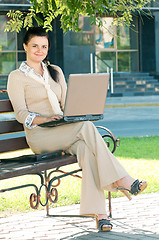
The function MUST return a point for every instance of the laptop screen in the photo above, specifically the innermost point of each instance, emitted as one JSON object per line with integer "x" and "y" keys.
{"x": 86, "y": 94}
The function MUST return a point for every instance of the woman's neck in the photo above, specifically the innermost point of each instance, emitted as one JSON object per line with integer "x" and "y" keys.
{"x": 36, "y": 66}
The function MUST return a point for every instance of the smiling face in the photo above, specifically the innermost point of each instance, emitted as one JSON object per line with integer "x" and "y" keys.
{"x": 36, "y": 49}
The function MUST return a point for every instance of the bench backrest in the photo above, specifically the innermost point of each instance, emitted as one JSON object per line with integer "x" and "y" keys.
{"x": 9, "y": 141}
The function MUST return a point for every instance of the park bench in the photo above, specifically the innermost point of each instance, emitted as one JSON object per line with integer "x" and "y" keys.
{"x": 12, "y": 138}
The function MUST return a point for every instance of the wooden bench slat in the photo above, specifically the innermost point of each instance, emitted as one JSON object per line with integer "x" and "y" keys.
{"x": 15, "y": 170}
{"x": 5, "y": 106}
{"x": 10, "y": 126}
{"x": 13, "y": 144}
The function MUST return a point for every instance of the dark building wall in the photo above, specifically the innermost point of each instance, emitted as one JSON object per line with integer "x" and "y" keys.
{"x": 76, "y": 58}
{"x": 147, "y": 44}
{"x": 56, "y": 51}
{"x": 77, "y": 49}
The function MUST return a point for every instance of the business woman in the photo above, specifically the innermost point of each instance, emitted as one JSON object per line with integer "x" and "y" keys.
{"x": 37, "y": 91}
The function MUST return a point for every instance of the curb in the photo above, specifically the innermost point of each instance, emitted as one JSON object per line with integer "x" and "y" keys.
{"x": 133, "y": 105}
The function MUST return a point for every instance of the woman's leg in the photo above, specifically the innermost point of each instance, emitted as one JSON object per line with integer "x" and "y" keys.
{"x": 100, "y": 169}
{"x": 125, "y": 182}
{"x": 129, "y": 184}
{"x": 108, "y": 167}
{"x": 92, "y": 195}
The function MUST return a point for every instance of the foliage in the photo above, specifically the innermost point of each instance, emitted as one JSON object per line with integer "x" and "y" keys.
{"x": 45, "y": 11}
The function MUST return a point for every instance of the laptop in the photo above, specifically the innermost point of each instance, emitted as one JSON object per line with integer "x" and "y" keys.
{"x": 85, "y": 99}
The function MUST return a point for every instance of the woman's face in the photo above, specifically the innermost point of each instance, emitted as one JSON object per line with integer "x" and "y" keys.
{"x": 36, "y": 49}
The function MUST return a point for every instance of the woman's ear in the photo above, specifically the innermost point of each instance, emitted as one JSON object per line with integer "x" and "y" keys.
{"x": 25, "y": 47}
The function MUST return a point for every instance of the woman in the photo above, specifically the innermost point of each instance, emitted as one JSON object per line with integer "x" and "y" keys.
{"x": 37, "y": 91}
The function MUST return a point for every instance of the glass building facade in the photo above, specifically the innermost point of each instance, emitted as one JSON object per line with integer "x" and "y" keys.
{"x": 122, "y": 48}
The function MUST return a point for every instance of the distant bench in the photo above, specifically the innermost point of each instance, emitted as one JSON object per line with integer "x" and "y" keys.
{"x": 37, "y": 164}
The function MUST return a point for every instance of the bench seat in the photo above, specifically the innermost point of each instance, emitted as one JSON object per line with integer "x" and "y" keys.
{"x": 16, "y": 169}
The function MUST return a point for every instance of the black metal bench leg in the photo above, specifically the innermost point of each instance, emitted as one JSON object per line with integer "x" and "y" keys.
{"x": 110, "y": 204}
{"x": 46, "y": 183}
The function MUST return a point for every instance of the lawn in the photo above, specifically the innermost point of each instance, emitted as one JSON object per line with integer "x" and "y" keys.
{"x": 139, "y": 155}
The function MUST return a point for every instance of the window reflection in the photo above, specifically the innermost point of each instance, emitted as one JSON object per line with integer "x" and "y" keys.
{"x": 15, "y": 1}
{"x": 85, "y": 36}
{"x": 123, "y": 37}
{"x": 7, "y": 39}
{"x": 127, "y": 62}
{"x": 7, "y": 63}
{"x": 105, "y": 34}
{"x": 127, "y": 37}
{"x": 117, "y": 46}
{"x": 108, "y": 58}
{"x": 11, "y": 48}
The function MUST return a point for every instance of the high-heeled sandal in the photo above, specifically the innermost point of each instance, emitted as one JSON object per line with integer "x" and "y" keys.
{"x": 101, "y": 225}
{"x": 135, "y": 189}
{"x": 123, "y": 190}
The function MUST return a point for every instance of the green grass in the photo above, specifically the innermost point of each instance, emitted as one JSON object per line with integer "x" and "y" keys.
{"x": 139, "y": 147}
{"x": 139, "y": 155}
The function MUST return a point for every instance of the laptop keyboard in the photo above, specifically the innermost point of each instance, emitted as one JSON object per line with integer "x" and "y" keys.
{"x": 84, "y": 118}
{"x": 71, "y": 119}
{"x": 53, "y": 123}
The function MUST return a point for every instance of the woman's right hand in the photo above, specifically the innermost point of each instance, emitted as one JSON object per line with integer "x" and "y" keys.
{"x": 54, "y": 117}
{"x": 39, "y": 119}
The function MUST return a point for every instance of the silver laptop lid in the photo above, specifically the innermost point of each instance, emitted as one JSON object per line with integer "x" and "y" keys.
{"x": 86, "y": 94}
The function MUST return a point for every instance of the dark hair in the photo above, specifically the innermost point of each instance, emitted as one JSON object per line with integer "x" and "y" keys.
{"x": 41, "y": 32}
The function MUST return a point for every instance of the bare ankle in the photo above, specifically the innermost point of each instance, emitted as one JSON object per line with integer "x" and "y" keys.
{"x": 102, "y": 216}
{"x": 125, "y": 182}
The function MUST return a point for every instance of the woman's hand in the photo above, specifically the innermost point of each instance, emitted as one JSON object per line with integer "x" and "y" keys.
{"x": 54, "y": 117}
{"x": 39, "y": 119}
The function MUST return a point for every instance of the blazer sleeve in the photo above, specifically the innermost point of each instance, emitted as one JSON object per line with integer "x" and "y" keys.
{"x": 15, "y": 88}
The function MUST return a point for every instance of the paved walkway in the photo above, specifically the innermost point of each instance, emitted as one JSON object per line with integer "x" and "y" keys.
{"x": 135, "y": 219}
{"x": 131, "y": 116}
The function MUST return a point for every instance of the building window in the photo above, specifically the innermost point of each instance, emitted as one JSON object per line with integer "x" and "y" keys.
{"x": 105, "y": 35}
{"x": 11, "y": 51}
{"x": 14, "y": 2}
{"x": 85, "y": 36}
{"x": 117, "y": 47}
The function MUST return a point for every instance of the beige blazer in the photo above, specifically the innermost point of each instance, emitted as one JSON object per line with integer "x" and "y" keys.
{"x": 27, "y": 95}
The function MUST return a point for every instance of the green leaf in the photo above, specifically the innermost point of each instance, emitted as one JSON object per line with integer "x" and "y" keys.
{"x": 54, "y": 7}
{"x": 69, "y": 11}
{"x": 39, "y": 20}
{"x": 46, "y": 8}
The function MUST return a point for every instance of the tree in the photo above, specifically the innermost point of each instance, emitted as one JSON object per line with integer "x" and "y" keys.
{"x": 45, "y": 11}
